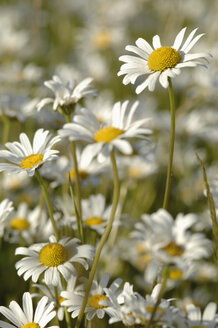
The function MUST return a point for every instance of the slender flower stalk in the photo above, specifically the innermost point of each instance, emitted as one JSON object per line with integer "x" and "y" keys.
{"x": 165, "y": 274}
{"x": 77, "y": 178}
{"x": 172, "y": 140}
{"x": 48, "y": 203}
{"x": 212, "y": 207}
{"x": 116, "y": 193}
{"x": 78, "y": 218}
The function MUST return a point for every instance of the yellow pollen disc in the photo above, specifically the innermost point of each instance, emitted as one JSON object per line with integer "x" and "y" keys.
{"x": 94, "y": 220}
{"x": 60, "y": 299}
{"x": 173, "y": 249}
{"x": 102, "y": 39}
{"x": 151, "y": 308}
{"x": 175, "y": 274}
{"x": 30, "y": 161}
{"x": 107, "y": 134}
{"x": 163, "y": 58}
{"x": 19, "y": 224}
{"x": 134, "y": 172}
{"x": 53, "y": 254}
{"x": 31, "y": 325}
{"x": 82, "y": 174}
{"x": 94, "y": 300}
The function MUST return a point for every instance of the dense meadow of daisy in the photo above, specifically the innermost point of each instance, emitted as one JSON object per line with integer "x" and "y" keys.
{"x": 108, "y": 164}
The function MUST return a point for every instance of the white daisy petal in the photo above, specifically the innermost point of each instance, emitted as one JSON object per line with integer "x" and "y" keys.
{"x": 179, "y": 38}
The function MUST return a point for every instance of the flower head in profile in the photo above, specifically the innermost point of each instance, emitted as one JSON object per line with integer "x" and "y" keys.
{"x": 26, "y": 318}
{"x": 66, "y": 94}
{"x": 103, "y": 138}
{"x": 55, "y": 259}
{"x": 159, "y": 62}
{"x": 26, "y": 157}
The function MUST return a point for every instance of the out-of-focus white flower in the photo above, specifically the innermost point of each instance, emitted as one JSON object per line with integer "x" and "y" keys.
{"x": 168, "y": 240}
{"x": 66, "y": 94}
{"x": 6, "y": 207}
{"x": 19, "y": 106}
{"x": 208, "y": 319}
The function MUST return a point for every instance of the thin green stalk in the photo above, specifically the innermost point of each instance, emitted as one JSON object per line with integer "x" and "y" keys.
{"x": 48, "y": 203}
{"x": 172, "y": 140}
{"x": 78, "y": 219}
{"x": 165, "y": 274}
{"x": 211, "y": 207}
{"x": 104, "y": 237}
{"x": 77, "y": 178}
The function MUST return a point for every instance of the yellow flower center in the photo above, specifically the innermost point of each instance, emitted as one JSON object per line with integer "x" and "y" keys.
{"x": 31, "y": 325}
{"x": 175, "y": 274}
{"x": 19, "y": 224}
{"x": 163, "y": 58}
{"x": 71, "y": 174}
{"x": 107, "y": 134}
{"x": 94, "y": 220}
{"x": 173, "y": 249}
{"x": 134, "y": 172}
{"x": 60, "y": 299}
{"x": 30, "y": 161}
{"x": 53, "y": 254}
{"x": 94, "y": 300}
{"x": 102, "y": 39}
{"x": 151, "y": 308}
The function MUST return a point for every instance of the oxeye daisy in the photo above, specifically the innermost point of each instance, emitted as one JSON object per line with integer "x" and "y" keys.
{"x": 160, "y": 62}
{"x": 53, "y": 258}
{"x": 25, "y": 318}
{"x": 73, "y": 300}
{"x": 208, "y": 319}
{"x": 66, "y": 93}
{"x": 103, "y": 138}
{"x": 26, "y": 157}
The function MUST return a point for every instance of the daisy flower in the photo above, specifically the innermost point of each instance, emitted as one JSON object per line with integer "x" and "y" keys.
{"x": 32, "y": 225}
{"x": 159, "y": 62}
{"x": 6, "y": 207}
{"x": 207, "y": 319}
{"x": 103, "y": 138}
{"x": 54, "y": 293}
{"x": 66, "y": 94}
{"x": 95, "y": 214}
{"x": 97, "y": 295}
{"x": 53, "y": 258}
{"x": 26, "y": 318}
{"x": 168, "y": 240}
{"x": 25, "y": 157}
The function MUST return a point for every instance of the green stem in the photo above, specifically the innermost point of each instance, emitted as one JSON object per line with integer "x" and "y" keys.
{"x": 77, "y": 178}
{"x": 48, "y": 203}
{"x": 104, "y": 237}
{"x": 172, "y": 140}
{"x": 165, "y": 275}
{"x": 78, "y": 219}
